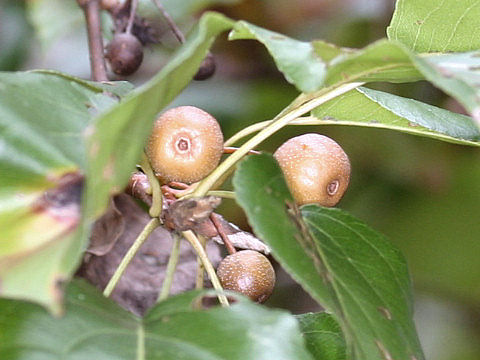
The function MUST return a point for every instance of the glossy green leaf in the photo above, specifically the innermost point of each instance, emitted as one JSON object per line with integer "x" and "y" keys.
{"x": 323, "y": 336}
{"x": 94, "y": 327}
{"x": 372, "y": 108}
{"x": 347, "y": 267}
{"x": 436, "y": 26}
{"x": 42, "y": 122}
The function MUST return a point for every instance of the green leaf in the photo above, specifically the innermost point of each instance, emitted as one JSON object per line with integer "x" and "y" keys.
{"x": 456, "y": 74}
{"x": 323, "y": 336}
{"x": 436, "y": 26}
{"x": 48, "y": 141}
{"x": 295, "y": 59}
{"x": 94, "y": 327}
{"x": 380, "y": 61}
{"x": 311, "y": 66}
{"x": 347, "y": 267}
{"x": 42, "y": 122}
{"x": 372, "y": 108}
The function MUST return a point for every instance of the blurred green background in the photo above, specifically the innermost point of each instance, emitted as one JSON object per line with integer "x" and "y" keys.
{"x": 423, "y": 194}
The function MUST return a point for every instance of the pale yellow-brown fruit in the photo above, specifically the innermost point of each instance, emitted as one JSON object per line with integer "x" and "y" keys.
{"x": 249, "y": 273}
{"x": 316, "y": 168}
{"x": 186, "y": 144}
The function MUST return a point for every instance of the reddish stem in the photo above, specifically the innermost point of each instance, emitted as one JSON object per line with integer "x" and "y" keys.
{"x": 91, "y": 9}
{"x": 218, "y": 225}
{"x": 231, "y": 150}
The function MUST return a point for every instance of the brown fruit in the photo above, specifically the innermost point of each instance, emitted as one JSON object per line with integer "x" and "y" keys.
{"x": 316, "y": 169}
{"x": 249, "y": 273}
{"x": 207, "y": 68}
{"x": 124, "y": 54}
{"x": 186, "y": 144}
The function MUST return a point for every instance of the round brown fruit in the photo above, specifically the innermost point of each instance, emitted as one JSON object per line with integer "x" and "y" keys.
{"x": 124, "y": 54}
{"x": 316, "y": 169}
{"x": 249, "y": 273}
{"x": 186, "y": 144}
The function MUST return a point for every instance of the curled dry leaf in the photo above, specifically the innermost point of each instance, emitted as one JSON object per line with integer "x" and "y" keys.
{"x": 106, "y": 230}
{"x": 139, "y": 286}
{"x": 185, "y": 214}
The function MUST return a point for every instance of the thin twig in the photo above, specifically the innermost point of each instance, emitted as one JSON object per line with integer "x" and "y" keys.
{"x": 232, "y": 149}
{"x": 197, "y": 246}
{"x": 91, "y": 9}
{"x": 131, "y": 18}
{"x": 171, "y": 23}
{"x": 147, "y": 230}
{"x": 218, "y": 225}
{"x": 171, "y": 266}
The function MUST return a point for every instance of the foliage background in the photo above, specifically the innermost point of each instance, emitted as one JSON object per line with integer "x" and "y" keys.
{"x": 422, "y": 194}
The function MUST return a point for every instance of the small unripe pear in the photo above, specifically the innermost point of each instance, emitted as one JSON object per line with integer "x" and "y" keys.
{"x": 185, "y": 145}
{"x": 316, "y": 169}
{"x": 249, "y": 273}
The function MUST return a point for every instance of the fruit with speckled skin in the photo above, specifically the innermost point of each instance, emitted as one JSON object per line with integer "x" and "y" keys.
{"x": 316, "y": 169}
{"x": 186, "y": 144}
{"x": 249, "y": 273}
{"x": 124, "y": 54}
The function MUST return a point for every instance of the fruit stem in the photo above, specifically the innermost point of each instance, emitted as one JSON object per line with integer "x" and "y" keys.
{"x": 171, "y": 266}
{"x": 147, "y": 230}
{"x": 226, "y": 241}
{"x": 223, "y": 194}
{"x": 325, "y": 95}
{"x": 173, "y": 26}
{"x": 156, "y": 208}
{"x": 91, "y": 10}
{"x": 200, "y": 268}
{"x": 197, "y": 246}
{"x": 131, "y": 17}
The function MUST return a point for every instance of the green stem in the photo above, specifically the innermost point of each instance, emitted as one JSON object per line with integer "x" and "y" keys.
{"x": 147, "y": 230}
{"x": 156, "y": 208}
{"x": 197, "y": 246}
{"x": 200, "y": 268}
{"x": 171, "y": 266}
{"x": 329, "y": 94}
{"x": 222, "y": 193}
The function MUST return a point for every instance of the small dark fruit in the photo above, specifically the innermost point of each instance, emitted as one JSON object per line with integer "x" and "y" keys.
{"x": 124, "y": 54}
{"x": 185, "y": 145}
{"x": 207, "y": 68}
{"x": 316, "y": 169}
{"x": 249, "y": 273}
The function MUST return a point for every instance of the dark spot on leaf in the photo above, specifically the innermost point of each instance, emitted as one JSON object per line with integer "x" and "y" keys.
{"x": 412, "y": 124}
{"x": 63, "y": 202}
{"x": 88, "y": 105}
{"x": 345, "y": 76}
{"x": 278, "y": 37}
{"x": 419, "y": 22}
{"x": 373, "y": 121}
{"x": 385, "y": 312}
